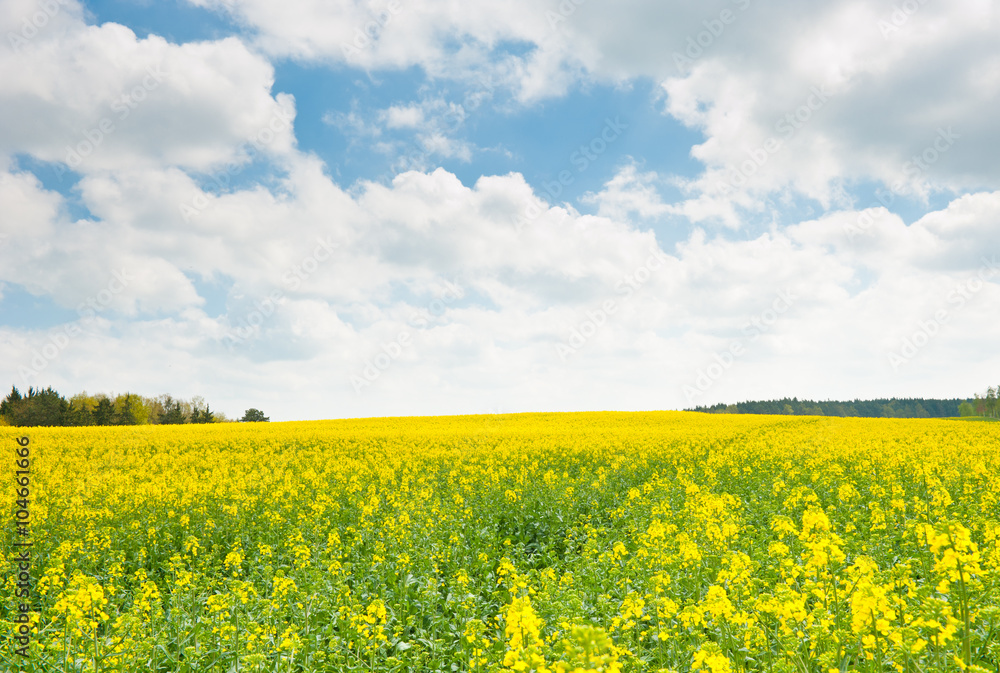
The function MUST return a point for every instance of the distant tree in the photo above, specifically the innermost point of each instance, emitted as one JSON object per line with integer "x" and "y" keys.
{"x": 896, "y": 408}
{"x": 46, "y": 407}
{"x": 254, "y": 416}
{"x": 78, "y": 415}
{"x": 104, "y": 412}
{"x": 966, "y": 409}
{"x": 130, "y": 410}
{"x": 81, "y": 410}
{"x": 173, "y": 416}
{"x": 10, "y": 405}
{"x": 39, "y": 408}
{"x": 157, "y": 407}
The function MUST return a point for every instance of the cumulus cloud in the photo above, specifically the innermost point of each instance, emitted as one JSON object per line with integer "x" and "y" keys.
{"x": 831, "y": 101}
{"x": 789, "y": 96}
{"x": 568, "y": 296}
{"x": 408, "y": 116}
{"x": 97, "y": 98}
{"x": 630, "y": 192}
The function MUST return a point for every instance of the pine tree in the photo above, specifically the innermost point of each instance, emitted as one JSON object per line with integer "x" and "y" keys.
{"x": 104, "y": 412}
{"x": 10, "y": 406}
{"x": 174, "y": 415}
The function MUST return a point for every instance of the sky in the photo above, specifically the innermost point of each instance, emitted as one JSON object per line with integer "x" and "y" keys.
{"x": 343, "y": 208}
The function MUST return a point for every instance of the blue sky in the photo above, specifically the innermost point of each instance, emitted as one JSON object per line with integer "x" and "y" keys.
{"x": 368, "y": 208}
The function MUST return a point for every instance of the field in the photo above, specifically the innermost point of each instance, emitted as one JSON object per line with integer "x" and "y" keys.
{"x": 548, "y": 542}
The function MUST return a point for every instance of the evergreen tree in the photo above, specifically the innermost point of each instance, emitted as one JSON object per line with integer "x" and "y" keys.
{"x": 174, "y": 415}
{"x": 78, "y": 415}
{"x": 42, "y": 408}
{"x": 104, "y": 412}
{"x": 10, "y": 405}
{"x": 126, "y": 412}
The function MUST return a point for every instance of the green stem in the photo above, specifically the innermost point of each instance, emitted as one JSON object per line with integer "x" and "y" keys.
{"x": 967, "y": 635}
{"x": 878, "y": 648}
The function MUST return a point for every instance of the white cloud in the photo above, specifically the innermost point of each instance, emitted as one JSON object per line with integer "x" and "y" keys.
{"x": 409, "y": 116}
{"x": 839, "y": 103}
{"x": 359, "y": 269}
{"x": 414, "y": 136}
{"x": 97, "y": 98}
{"x": 629, "y": 192}
{"x": 741, "y": 72}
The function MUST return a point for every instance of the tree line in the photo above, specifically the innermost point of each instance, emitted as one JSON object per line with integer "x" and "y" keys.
{"x": 986, "y": 404}
{"x": 46, "y": 407}
{"x": 879, "y": 408}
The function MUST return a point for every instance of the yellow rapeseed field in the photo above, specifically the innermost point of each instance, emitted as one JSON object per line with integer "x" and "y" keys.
{"x": 610, "y": 542}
